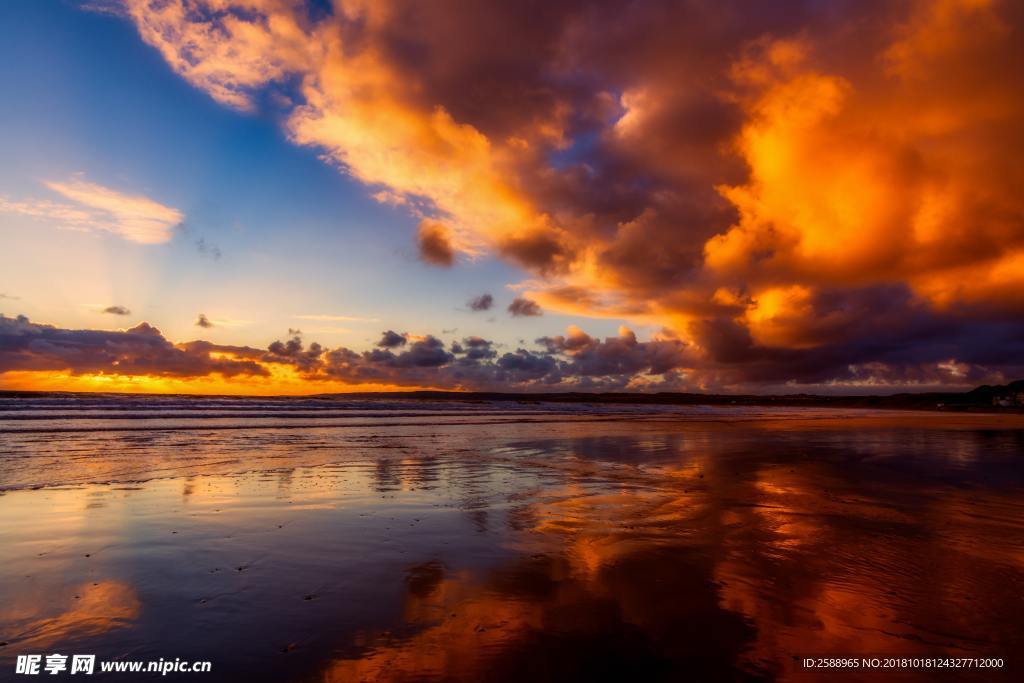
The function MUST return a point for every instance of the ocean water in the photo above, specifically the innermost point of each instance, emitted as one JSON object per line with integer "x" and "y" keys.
{"x": 323, "y": 539}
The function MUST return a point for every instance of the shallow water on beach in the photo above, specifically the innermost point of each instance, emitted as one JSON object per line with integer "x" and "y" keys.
{"x": 513, "y": 542}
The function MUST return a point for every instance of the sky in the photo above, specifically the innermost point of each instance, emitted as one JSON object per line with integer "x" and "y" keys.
{"x": 279, "y": 196}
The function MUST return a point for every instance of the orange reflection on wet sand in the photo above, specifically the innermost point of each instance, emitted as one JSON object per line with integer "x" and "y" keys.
{"x": 94, "y": 609}
{"x": 707, "y": 551}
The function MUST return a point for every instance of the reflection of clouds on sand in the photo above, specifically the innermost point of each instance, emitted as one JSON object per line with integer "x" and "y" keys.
{"x": 642, "y": 551}
{"x": 93, "y": 609}
{"x": 774, "y": 549}
{"x": 598, "y": 505}
{"x": 740, "y": 551}
{"x": 820, "y": 563}
{"x": 535, "y": 617}
{"x": 460, "y": 625}
{"x": 596, "y": 529}
{"x": 601, "y": 573}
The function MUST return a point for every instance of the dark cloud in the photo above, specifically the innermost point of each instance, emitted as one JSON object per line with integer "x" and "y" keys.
{"x": 827, "y": 340}
{"x": 141, "y": 350}
{"x": 539, "y": 251}
{"x": 523, "y": 307}
{"x": 428, "y": 352}
{"x": 117, "y": 310}
{"x": 522, "y": 366}
{"x": 391, "y": 339}
{"x": 722, "y": 356}
{"x": 435, "y": 244}
{"x": 203, "y": 321}
{"x": 484, "y": 302}
{"x": 572, "y": 361}
{"x": 293, "y": 352}
{"x": 478, "y": 348}
{"x": 621, "y": 356}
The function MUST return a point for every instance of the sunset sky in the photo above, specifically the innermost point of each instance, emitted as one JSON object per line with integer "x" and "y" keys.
{"x": 278, "y": 196}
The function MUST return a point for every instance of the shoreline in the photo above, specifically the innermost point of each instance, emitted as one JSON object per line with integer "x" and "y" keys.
{"x": 980, "y": 400}
{"x": 327, "y": 443}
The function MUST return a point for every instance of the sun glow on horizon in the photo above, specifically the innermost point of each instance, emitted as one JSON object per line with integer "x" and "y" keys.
{"x": 282, "y": 382}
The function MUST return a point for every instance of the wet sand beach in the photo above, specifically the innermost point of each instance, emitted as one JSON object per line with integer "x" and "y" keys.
{"x": 412, "y": 542}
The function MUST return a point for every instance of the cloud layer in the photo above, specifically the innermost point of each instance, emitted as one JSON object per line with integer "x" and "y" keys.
{"x": 140, "y": 350}
{"x": 576, "y": 361}
{"x": 569, "y": 362}
{"x": 97, "y": 208}
{"x": 804, "y": 192}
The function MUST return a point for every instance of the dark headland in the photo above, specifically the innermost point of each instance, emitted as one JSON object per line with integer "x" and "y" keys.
{"x": 986, "y": 398}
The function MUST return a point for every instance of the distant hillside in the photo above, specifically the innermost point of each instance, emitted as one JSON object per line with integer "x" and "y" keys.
{"x": 1009, "y": 397}
{"x": 988, "y": 398}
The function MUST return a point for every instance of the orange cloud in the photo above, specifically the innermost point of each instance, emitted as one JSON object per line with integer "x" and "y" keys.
{"x": 688, "y": 166}
{"x": 890, "y": 177}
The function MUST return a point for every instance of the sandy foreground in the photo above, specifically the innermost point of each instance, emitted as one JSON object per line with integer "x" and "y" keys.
{"x": 548, "y": 547}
